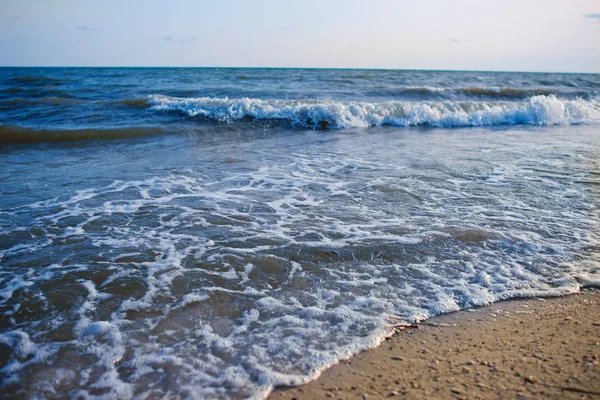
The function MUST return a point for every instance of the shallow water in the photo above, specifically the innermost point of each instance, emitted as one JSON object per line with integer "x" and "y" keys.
{"x": 224, "y": 258}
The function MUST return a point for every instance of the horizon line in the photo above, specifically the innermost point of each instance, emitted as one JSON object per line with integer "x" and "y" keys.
{"x": 298, "y": 68}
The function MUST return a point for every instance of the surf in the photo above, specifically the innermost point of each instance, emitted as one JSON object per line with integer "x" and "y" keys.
{"x": 330, "y": 114}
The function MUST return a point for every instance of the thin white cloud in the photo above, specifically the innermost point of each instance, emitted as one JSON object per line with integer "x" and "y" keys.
{"x": 189, "y": 39}
{"x": 85, "y": 28}
{"x": 170, "y": 38}
{"x": 593, "y": 16}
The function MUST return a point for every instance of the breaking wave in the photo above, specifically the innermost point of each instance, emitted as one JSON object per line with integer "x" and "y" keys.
{"x": 325, "y": 114}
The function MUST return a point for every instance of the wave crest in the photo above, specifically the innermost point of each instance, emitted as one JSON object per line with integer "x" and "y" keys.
{"x": 325, "y": 114}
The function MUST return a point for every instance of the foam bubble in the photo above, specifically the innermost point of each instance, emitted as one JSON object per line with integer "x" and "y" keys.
{"x": 217, "y": 285}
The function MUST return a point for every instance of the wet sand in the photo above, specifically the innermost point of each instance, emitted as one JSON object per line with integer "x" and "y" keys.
{"x": 536, "y": 348}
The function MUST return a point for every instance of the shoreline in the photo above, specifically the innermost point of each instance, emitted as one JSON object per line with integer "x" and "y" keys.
{"x": 520, "y": 348}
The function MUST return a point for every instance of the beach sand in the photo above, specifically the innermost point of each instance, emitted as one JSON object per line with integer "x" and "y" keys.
{"x": 536, "y": 348}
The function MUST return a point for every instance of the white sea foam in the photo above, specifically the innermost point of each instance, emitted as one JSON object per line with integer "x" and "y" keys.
{"x": 220, "y": 286}
{"x": 538, "y": 110}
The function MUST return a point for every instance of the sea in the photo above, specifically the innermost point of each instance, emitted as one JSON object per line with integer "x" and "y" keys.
{"x": 213, "y": 233}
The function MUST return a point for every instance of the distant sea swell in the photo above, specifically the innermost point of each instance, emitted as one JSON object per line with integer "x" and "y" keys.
{"x": 65, "y": 104}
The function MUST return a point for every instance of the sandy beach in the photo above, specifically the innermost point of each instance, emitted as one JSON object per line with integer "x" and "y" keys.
{"x": 535, "y": 348}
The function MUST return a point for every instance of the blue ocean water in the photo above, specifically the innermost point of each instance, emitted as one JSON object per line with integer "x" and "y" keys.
{"x": 64, "y": 104}
{"x": 213, "y": 233}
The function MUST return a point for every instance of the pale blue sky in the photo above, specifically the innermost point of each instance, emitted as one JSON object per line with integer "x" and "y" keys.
{"x": 522, "y": 35}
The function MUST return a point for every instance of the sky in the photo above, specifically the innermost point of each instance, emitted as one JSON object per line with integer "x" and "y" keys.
{"x": 501, "y": 35}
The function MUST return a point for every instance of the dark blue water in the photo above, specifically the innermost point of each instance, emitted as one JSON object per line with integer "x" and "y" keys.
{"x": 80, "y": 103}
{"x": 201, "y": 233}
